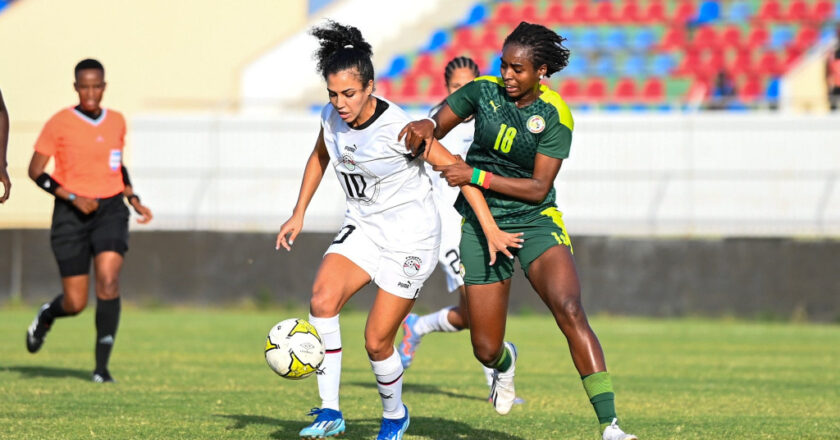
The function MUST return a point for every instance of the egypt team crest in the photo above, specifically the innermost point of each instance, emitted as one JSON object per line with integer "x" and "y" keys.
{"x": 412, "y": 266}
{"x": 536, "y": 124}
{"x": 348, "y": 162}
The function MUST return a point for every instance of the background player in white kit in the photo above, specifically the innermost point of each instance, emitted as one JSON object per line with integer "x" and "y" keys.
{"x": 391, "y": 232}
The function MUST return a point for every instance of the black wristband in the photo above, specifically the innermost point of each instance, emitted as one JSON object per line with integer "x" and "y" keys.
{"x": 126, "y": 179}
{"x": 133, "y": 196}
{"x": 47, "y": 183}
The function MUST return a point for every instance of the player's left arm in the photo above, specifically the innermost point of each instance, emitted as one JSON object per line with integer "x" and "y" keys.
{"x": 497, "y": 240}
{"x": 4, "y": 140}
{"x": 134, "y": 200}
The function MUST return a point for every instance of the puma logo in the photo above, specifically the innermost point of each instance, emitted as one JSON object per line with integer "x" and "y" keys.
{"x": 495, "y": 107}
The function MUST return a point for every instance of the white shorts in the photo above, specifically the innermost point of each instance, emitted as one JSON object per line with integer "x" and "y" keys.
{"x": 450, "y": 242}
{"x": 398, "y": 272}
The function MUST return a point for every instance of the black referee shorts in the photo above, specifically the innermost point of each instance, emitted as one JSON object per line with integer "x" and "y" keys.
{"x": 76, "y": 237}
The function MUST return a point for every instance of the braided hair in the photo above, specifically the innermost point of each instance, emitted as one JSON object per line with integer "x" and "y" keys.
{"x": 342, "y": 47}
{"x": 459, "y": 63}
{"x": 546, "y": 46}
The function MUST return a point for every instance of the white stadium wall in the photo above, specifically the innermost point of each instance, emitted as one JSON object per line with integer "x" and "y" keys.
{"x": 640, "y": 175}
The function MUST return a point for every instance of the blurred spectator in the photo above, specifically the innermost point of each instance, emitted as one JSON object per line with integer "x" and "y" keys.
{"x": 832, "y": 74}
{"x": 722, "y": 92}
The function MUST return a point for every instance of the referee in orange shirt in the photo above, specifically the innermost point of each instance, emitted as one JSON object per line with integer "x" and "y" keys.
{"x": 89, "y": 218}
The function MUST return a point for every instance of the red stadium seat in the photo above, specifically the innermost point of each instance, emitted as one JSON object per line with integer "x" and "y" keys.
{"x": 742, "y": 64}
{"x": 604, "y": 12}
{"x": 792, "y": 56}
{"x": 630, "y": 12}
{"x": 384, "y": 88}
{"x": 463, "y": 39}
{"x": 653, "y": 90}
{"x": 769, "y": 64}
{"x": 823, "y": 10}
{"x": 750, "y": 90}
{"x": 529, "y": 13}
{"x": 425, "y": 65}
{"x": 690, "y": 64}
{"x": 806, "y": 38}
{"x": 437, "y": 89}
{"x": 798, "y": 11}
{"x": 569, "y": 89}
{"x": 555, "y": 14}
{"x": 596, "y": 90}
{"x": 685, "y": 11}
{"x": 505, "y": 14}
{"x": 655, "y": 12}
{"x": 580, "y": 12}
{"x": 625, "y": 90}
{"x": 409, "y": 90}
{"x": 674, "y": 38}
{"x": 705, "y": 37}
{"x": 490, "y": 39}
{"x": 731, "y": 37}
{"x": 758, "y": 37}
{"x": 771, "y": 10}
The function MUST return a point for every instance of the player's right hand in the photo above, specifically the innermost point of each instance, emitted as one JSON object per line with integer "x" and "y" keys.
{"x": 288, "y": 232}
{"x": 499, "y": 241}
{"x": 7, "y": 184}
{"x": 85, "y": 204}
{"x": 415, "y": 133}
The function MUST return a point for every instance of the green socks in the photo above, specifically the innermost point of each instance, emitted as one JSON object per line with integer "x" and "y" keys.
{"x": 599, "y": 388}
{"x": 504, "y": 361}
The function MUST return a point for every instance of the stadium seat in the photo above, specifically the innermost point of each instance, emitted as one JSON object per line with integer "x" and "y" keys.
{"x": 604, "y": 12}
{"x": 555, "y": 14}
{"x": 742, "y": 63}
{"x": 616, "y": 40}
{"x": 605, "y": 66}
{"x": 739, "y": 12}
{"x": 806, "y": 38}
{"x": 569, "y": 89}
{"x": 684, "y": 12}
{"x": 758, "y": 37}
{"x": 577, "y": 65}
{"x": 674, "y": 38}
{"x": 690, "y": 63}
{"x": 438, "y": 40}
{"x": 398, "y": 64}
{"x": 437, "y": 89}
{"x": 769, "y": 64}
{"x": 529, "y": 13}
{"x": 705, "y": 37}
{"x": 837, "y": 12}
{"x": 709, "y": 12}
{"x": 771, "y": 10}
{"x": 772, "y": 93}
{"x": 822, "y": 11}
{"x": 490, "y": 39}
{"x": 410, "y": 89}
{"x": 625, "y": 90}
{"x": 780, "y": 37}
{"x": 750, "y": 90}
{"x": 580, "y": 12}
{"x": 477, "y": 14}
{"x": 731, "y": 37}
{"x": 462, "y": 41}
{"x": 655, "y": 12}
{"x": 384, "y": 88}
{"x": 495, "y": 66}
{"x": 663, "y": 64}
{"x": 596, "y": 90}
{"x": 505, "y": 13}
{"x": 653, "y": 90}
{"x": 589, "y": 40}
{"x": 643, "y": 40}
{"x": 798, "y": 11}
{"x": 425, "y": 64}
{"x": 633, "y": 66}
{"x": 630, "y": 13}
{"x": 792, "y": 56}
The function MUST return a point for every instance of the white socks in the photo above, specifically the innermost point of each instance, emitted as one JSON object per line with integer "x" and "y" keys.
{"x": 389, "y": 380}
{"x": 435, "y": 322}
{"x": 329, "y": 380}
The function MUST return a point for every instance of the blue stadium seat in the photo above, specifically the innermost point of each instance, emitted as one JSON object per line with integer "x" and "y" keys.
{"x": 398, "y": 65}
{"x": 495, "y": 67}
{"x": 616, "y": 40}
{"x": 634, "y": 66}
{"x": 780, "y": 37}
{"x": 577, "y": 65}
{"x": 438, "y": 40}
{"x": 477, "y": 15}
{"x": 643, "y": 40}
{"x": 663, "y": 64}
{"x": 709, "y": 12}
{"x": 589, "y": 40}
{"x": 837, "y": 12}
{"x": 739, "y": 12}
{"x": 772, "y": 93}
{"x": 572, "y": 38}
{"x": 605, "y": 66}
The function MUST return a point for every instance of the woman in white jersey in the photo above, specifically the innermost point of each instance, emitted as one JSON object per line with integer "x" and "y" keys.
{"x": 391, "y": 231}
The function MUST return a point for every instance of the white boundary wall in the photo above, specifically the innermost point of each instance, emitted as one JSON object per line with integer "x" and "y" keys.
{"x": 719, "y": 174}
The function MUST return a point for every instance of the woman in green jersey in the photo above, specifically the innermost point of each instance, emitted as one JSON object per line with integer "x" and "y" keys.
{"x": 523, "y": 131}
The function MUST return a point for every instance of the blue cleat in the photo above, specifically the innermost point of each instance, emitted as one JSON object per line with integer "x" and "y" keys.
{"x": 393, "y": 429}
{"x": 328, "y": 423}
{"x": 410, "y": 340}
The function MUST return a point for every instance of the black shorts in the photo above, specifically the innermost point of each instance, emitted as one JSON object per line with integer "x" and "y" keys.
{"x": 76, "y": 237}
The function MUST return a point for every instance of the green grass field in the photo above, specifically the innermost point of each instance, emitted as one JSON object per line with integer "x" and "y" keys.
{"x": 200, "y": 374}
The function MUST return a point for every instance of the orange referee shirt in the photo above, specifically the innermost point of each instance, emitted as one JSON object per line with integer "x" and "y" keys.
{"x": 87, "y": 152}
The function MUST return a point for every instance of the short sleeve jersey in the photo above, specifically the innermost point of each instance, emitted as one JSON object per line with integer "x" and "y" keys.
{"x": 87, "y": 152}
{"x": 388, "y": 193}
{"x": 508, "y": 138}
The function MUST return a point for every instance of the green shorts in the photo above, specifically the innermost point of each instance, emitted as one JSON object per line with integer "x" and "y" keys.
{"x": 540, "y": 235}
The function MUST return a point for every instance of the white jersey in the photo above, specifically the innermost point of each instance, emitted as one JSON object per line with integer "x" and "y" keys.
{"x": 389, "y": 196}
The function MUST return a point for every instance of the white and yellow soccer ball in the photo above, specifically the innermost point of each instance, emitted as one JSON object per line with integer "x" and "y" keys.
{"x": 294, "y": 349}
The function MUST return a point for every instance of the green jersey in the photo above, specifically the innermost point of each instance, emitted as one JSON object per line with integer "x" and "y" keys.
{"x": 507, "y": 140}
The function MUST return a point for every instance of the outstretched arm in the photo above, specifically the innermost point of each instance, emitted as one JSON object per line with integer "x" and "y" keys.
{"x": 497, "y": 240}
{"x": 4, "y": 139}
{"x": 312, "y": 175}
{"x": 416, "y": 132}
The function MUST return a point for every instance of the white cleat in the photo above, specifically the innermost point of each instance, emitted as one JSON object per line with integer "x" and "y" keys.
{"x": 502, "y": 392}
{"x": 613, "y": 432}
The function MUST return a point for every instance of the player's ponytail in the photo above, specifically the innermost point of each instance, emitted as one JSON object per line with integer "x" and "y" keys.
{"x": 546, "y": 46}
{"x": 341, "y": 48}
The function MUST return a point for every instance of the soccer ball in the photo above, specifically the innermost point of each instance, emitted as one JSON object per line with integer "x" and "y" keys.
{"x": 293, "y": 349}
